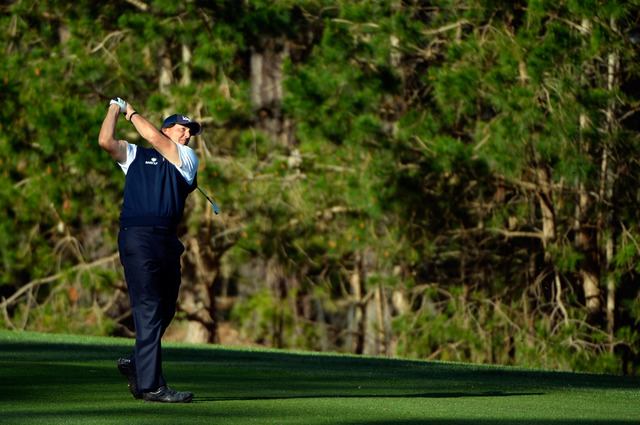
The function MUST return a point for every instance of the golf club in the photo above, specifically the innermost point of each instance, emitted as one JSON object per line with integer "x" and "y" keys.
{"x": 215, "y": 207}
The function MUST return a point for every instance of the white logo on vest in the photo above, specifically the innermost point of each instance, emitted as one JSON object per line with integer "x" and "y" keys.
{"x": 154, "y": 161}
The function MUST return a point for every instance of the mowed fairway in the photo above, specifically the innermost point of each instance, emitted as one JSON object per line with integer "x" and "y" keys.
{"x": 60, "y": 379}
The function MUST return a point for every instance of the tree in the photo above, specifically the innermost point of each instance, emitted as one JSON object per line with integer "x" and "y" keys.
{"x": 441, "y": 179}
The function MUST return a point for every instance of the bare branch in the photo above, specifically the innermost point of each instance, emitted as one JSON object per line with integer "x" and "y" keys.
{"x": 28, "y": 286}
{"x": 104, "y": 40}
{"x": 139, "y": 4}
{"x": 518, "y": 234}
{"x": 446, "y": 28}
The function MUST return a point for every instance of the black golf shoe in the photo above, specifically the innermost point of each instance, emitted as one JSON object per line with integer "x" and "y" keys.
{"x": 165, "y": 394}
{"x": 127, "y": 369}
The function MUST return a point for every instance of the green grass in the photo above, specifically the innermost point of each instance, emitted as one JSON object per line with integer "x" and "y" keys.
{"x": 56, "y": 379}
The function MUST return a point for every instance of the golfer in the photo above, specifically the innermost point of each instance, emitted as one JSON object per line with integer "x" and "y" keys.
{"x": 158, "y": 180}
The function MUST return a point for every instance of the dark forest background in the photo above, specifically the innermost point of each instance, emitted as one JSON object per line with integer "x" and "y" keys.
{"x": 450, "y": 180}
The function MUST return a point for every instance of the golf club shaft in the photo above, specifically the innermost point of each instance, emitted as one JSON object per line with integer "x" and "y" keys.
{"x": 215, "y": 207}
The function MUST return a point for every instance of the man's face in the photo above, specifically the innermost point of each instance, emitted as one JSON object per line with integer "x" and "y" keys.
{"x": 178, "y": 133}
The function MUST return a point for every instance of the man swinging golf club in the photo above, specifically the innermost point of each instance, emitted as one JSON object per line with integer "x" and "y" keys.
{"x": 158, "y": 181}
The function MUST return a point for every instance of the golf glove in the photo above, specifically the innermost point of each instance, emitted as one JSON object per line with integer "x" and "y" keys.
{"x": 121, "y": 103}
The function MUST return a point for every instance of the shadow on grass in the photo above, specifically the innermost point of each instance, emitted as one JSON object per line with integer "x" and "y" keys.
{"x": 214, "y": 361}
{"x": 470, "y": 394}
{"x": 172, "y": 417}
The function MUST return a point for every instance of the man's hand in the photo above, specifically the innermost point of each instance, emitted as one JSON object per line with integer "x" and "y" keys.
{"x": 106, "y": 138}
{"x": 121, "y": 103}
{"x": 129, "y": 111}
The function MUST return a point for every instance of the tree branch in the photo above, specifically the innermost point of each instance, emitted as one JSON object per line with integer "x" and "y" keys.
{"x": 446, "y": 28}
{"x": 517, "y": 234}
{"x": 139, "y": 4}
{"x": 28, "y": 286}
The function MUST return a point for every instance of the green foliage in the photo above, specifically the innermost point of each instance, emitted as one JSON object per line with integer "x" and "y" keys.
{"x": 410, "y": 156}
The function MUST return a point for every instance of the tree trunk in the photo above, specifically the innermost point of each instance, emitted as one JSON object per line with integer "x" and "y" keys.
{"x": 606, "y": 192}
{"x": 197, "y": 297}
{"x": 358, "y": 312}
{"x": 545, "y": 196}
{"x": 267, "y": 60}
{"x": 185, "y": 79}
{"x": 586, "y": 236}
{"x": 165, "y": 72}
{"x": 590, "y": 267}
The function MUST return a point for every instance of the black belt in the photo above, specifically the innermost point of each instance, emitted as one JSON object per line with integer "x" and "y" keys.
{"x": 153, "y": 229}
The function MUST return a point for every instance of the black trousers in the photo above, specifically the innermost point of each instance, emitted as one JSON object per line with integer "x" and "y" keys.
{"x": 151, "y": 260}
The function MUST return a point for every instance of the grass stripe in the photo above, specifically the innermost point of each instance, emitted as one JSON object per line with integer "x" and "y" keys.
{"x": 70, "y": 379}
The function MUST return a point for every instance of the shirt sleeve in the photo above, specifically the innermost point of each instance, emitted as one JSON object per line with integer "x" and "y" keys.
{"x": 189, "y": 163}
{"x": 131, "y": 155}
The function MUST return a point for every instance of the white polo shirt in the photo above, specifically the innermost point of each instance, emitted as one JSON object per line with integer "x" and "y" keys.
{"x": 188, "y": 159}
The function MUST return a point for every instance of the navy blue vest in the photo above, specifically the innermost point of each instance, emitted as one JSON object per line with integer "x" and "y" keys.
{"x": 154, "y": 191}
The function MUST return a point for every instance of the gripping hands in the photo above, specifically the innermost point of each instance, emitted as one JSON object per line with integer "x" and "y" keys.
{"x": 121, "y": 103}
